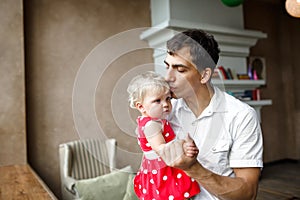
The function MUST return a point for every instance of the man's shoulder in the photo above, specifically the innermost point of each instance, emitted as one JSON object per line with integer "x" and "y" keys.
{"x": 236, "y": 104}
{"x": 239, "y": 110}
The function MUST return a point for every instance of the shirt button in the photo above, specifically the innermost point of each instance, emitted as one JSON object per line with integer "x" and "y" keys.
{"x": 214, "y": 149}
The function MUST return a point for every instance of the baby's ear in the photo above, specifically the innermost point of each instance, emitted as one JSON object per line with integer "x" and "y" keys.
{"x": 139, "y": 106}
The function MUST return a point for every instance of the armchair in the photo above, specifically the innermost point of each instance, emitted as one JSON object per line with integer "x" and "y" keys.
{"x": 84, "y": 159}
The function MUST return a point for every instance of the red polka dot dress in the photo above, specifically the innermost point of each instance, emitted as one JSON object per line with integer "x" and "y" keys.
{"x": 155, "y": 180}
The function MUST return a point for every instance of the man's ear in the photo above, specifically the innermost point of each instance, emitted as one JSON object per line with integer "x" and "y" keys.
{"x": 206, "y": 74}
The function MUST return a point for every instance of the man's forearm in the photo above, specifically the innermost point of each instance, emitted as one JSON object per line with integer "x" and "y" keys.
{"x": 223, "y": 187}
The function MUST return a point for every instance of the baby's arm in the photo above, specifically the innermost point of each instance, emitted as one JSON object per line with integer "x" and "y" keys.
{"x": 153, "y": 133}
{"x": 190, "y": 149}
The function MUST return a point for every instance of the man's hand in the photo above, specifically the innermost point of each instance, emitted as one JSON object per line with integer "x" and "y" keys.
{"x": 173, "y": 154}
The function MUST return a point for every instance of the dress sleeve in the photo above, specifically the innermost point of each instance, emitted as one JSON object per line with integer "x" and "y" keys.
{"x": 153, "y": 128}
{"x": 247, "y": 146}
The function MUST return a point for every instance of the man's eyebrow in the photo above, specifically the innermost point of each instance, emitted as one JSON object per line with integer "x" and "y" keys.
{"x": 180, "y": 65}
{"x": 176, "y": 65}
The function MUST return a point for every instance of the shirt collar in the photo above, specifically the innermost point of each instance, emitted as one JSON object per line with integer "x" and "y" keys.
{"x": 216, "y": 104}
{"x": 218, "y": 101}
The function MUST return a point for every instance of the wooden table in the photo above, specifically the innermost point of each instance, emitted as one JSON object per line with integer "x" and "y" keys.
{"x": 19, "y": 182}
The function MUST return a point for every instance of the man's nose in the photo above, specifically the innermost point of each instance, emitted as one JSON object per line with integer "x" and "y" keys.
{"x": 169, "y": 75}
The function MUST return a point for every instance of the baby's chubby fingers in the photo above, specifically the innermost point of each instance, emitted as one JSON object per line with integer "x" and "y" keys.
{"x": 190, "y": 148}
{"x": 191, "y": 152}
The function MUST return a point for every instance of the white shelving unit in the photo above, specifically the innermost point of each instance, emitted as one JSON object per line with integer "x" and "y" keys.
{"x": 238, "y": 85}
{"x": 264, "y": 102}
{"x": 242, "y": 85}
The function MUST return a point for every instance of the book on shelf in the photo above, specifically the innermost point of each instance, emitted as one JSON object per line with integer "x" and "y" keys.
{"x": 223, "y": 72}
{"x": 246, "y": 95}
{"x": 229, "y": 73}
{"x": 243, "y": 77}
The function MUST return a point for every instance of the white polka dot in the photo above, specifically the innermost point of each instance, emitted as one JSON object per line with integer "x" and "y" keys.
{"x": 145, "y": 171}
{"x": 158, "y": 159}
{"x": 176, "y": 183}
{"x": 193, "y": 180}
{"x": 148, "y": 145}
{"x": 144, "y": 191}
{"x": 179, "y": 175}
{"x": 165, "y": 178}
{"x": 140, "y": 187}
{"x": 143, "y": 128}
{"x": 157, "y": 192}
{"x": 167, "y": 134}
{"x": 186, "y": 195}
{"x": 171, "y": 197}
{"x": 154, "y": 171}
{"x": 151, "y": 181}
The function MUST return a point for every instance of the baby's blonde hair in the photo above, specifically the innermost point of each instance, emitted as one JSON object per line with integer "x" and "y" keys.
{"x": 143, "y": 83}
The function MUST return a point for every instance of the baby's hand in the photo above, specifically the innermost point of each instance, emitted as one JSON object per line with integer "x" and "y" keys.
{"x": 189, "y": 147}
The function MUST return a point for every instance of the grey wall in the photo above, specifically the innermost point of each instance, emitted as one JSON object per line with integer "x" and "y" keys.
{"x": 59, "y": 36}
{"x": 12, "y": 89}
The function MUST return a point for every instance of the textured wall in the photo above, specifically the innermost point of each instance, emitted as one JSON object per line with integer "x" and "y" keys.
{"x": 12, "y": 98}
{"x": 281, "y": 50}
{"x": 59, "y": 35}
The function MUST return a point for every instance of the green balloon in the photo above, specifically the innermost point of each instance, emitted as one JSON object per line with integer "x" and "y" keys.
{"x": 232, "y": 3}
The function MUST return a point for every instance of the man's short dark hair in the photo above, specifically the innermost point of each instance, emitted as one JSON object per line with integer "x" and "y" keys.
{"x": 204, "y": 49}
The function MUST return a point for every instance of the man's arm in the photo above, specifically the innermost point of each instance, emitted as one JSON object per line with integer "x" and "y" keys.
{"x": 243, "y": 186}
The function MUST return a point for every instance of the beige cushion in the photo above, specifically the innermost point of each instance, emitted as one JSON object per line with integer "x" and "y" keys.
{"x": 109, "y": 186}
{"x": 130, "y": 194}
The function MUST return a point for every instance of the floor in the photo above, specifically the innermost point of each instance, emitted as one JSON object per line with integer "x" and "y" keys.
{"x": 280, "y": 181}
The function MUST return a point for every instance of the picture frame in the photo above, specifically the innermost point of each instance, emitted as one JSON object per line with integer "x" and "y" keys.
{"x": 257, "y": 68}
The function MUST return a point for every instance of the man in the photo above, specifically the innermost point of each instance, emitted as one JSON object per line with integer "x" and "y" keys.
{"x": 226, "y": 130}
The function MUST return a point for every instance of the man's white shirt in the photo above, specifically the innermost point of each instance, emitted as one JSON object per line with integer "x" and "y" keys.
{"x": 227, "y": 133}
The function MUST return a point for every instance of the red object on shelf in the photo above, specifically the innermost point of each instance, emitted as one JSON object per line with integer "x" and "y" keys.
{"x": 256, "y": 94}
